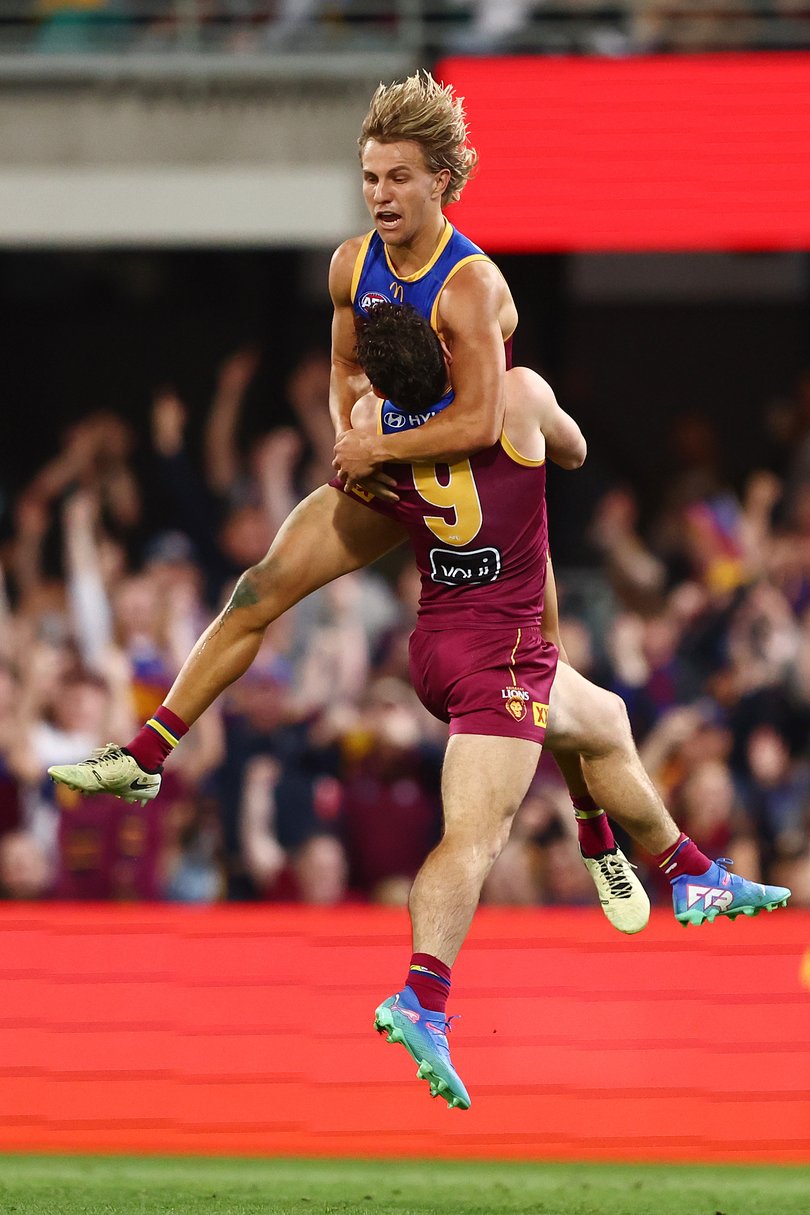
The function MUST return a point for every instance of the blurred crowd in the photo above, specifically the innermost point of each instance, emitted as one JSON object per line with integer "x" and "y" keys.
{"x": 439, "y": 26}
{"x": 316, "y": 776}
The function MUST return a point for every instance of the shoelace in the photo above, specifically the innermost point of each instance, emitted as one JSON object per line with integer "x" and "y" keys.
{"x": 105, "y": 754}
{"x": 447, "y": 1028}
{"x": 613, "y": 871}
{"x": 731, "y": 878}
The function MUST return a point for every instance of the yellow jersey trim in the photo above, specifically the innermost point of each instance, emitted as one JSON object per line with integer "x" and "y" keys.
{"x": 473, "y": 257}
{"x": 359, "y": 262}
{"x": 513, "y": 454}
{"x": 437, "y": 252}
{"x": 380, "y": 404}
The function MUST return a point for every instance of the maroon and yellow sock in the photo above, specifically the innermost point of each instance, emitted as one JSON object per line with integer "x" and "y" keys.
{"x": 156, "y": 739}
{"x": 429, "y": 980}
{"x": 681, "y": 859}
{"x": 593, "y": 828}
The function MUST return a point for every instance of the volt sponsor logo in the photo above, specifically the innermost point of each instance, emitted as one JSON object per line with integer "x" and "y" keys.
{"x": 455, "y": 568}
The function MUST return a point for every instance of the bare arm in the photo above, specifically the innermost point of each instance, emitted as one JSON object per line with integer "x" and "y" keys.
{"x": 264, "y": 856}
{"x": 565, "y": 442}
{"x": 469, "y": 321}
{"x": 348, "y": 381}
{"x": 89, "y": 605}
{"x": 550, "y": 624}
{"x": 221, "y": 452}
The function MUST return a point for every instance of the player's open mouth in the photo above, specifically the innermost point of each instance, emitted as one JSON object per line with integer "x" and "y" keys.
{"x": 388, "y": 219}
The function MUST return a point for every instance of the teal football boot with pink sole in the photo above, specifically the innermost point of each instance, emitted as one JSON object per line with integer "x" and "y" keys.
{"x": 424, "y": 1035}
{"x": 718, "y": 892}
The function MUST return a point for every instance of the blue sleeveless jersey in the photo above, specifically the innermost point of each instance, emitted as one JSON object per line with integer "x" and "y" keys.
{"x": 393, "y": 419}
{"x": 375, "y": 281}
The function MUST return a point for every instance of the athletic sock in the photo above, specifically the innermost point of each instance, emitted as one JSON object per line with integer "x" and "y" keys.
{"x": 593, "y": 827}
{"x": 682, "y": 858}
{"x": 429, "y": 980}
{"x": 156, "y": 739}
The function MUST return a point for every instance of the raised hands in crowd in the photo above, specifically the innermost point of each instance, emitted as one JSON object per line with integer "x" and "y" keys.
{"x": 317, "y": 776}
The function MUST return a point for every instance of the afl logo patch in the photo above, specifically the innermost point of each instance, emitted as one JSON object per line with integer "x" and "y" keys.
{"x": 395, "y": 420}
{"x": 371, "y": 298}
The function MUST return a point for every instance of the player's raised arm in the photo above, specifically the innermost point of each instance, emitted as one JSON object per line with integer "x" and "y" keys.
{"x": 565, "y": 442}
{"x": 347, "y": 383}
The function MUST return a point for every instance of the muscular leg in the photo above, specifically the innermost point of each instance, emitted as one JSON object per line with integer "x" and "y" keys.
{"x": 484, "y": 781}
{"x": 570, "y": 766}
{"x": 593, "y": 828}
{"x": 327, "y": 535}
{"x": 586, "y": 719}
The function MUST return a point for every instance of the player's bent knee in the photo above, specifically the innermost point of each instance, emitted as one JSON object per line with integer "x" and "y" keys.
{"x": 609, "y": 728}
{"x": 619, "y": 722}
{"x": 591, "y": 721}
{"x": 255, "y": 599}
{"x": 481, "y": 842}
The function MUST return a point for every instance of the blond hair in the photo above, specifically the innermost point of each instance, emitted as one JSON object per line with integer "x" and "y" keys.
{"x": 420, "y": 109}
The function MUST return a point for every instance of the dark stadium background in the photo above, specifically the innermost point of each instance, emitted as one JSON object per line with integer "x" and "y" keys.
{"x": 87, "y": 330}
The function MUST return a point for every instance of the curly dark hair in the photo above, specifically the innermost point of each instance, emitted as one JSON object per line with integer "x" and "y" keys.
{"x": 402, "y": 356}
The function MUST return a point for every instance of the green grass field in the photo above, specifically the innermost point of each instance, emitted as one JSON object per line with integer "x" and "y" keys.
{"x": 112, "y": 1185}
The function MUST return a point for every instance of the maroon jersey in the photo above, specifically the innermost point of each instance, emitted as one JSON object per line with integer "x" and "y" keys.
{"x": 479, "y": 533}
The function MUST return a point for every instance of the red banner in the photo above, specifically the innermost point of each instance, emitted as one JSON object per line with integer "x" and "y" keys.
{"x": 705, "y": 152}
{"x": 248, "y": 1030}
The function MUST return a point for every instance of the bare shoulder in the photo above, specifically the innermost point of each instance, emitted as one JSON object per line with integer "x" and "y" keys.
{"x": 525, "y": 387}
{"x": 476, "y": 297}
{"x": 341, "y": 269}
{"x": 533, "y": 416}
{"x": 527, "y": 395}
{"x": 365, "y": 412}
{"x": 480, "y": 279}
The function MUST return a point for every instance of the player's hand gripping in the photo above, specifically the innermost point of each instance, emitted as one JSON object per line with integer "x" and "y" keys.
{"x": 357, "y": 466}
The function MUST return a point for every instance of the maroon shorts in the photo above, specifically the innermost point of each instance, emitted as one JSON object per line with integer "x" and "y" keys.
{"x": 485, "y": 681}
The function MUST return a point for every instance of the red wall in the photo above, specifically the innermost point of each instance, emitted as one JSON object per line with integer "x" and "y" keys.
{"x": 249, "y": 1031}
{"x": 687, "y": 152}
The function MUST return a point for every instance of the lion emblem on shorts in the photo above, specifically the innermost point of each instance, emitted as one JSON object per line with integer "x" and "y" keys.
{"x": 515, "y": 701}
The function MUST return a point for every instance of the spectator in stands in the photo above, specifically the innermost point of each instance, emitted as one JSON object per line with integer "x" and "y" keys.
{"x": 391, "y": 815}
{"x": 777, "y": 792}
{"x": 704, "y": 624}
{"x": 24, "y": 872}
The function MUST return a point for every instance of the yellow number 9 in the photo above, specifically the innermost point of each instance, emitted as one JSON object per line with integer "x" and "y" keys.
{"x": 458, "y": 494}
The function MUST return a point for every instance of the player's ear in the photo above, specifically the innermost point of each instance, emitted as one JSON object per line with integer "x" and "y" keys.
{"x": 448, "y": 358}
{"x": 441, "y": 181}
